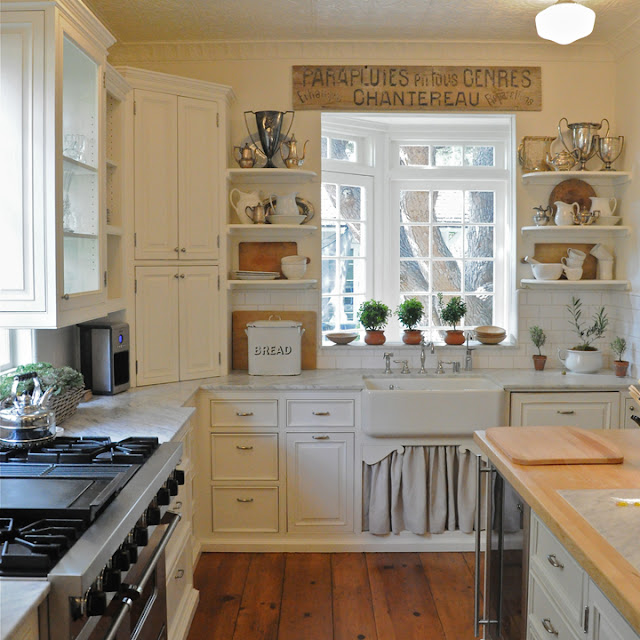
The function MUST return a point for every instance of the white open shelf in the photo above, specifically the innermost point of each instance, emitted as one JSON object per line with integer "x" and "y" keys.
{"x": 592, "y": 177}
{"x": 577, "y": 230}
{"x": 272, "y": 284}
{"x": 270, "y": 231}
{"x": 254, "y": 176}
{"x": 531, "y": 283}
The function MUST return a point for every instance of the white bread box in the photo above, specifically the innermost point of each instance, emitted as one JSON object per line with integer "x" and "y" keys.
{"x": 274, "y": 347}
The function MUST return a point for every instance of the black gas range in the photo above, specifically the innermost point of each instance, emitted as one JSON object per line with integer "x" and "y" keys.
{"x": 80, "y": 512}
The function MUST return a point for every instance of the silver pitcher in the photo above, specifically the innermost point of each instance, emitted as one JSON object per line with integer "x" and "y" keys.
{"x": 585, "y": 139}
{"x": 269, "y": 125}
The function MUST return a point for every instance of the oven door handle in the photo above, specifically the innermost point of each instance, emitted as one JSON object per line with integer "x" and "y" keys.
{"x": 114, "y": 627}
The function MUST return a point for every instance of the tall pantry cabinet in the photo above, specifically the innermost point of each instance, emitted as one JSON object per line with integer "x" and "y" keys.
{"x": 180, "y": 141}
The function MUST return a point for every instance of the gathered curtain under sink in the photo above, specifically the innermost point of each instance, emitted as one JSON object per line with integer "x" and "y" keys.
{"x": 422, "y": 489}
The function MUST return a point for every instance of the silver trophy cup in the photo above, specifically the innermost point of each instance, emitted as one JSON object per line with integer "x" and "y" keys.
{"x": 584, "y": 138}
{"x": 269, "y": 125}
{"x": 609, "y": 150}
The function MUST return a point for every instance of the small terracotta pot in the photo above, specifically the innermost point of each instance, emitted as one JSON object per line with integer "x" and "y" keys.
{"x": 412, "y": 336}
{"x": 621, "y": 367}
{"x": 374, "y": 337}
{"x": 454, "y": 336}
{"x": 539, "y": 362}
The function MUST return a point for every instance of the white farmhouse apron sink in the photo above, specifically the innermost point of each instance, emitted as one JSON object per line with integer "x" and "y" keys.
{"x": 448, "y": 405}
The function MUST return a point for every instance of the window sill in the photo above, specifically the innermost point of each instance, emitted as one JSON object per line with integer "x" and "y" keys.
{"x": 358, "y": 348}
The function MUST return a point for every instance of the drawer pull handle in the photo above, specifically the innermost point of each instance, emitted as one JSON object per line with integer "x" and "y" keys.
{"x": 243, "y": 447}
{"x": 177, "y": 506}
{"x": 244, "y": 499}
{"x": 548, "y": 627}
{"x": 325, "y": 437}
{"x": 553, "y": 561}
{"x": 244, "y": 414}
{"x": 566, "y": 413}
{"x": 321, "y": 413}
{"x": 179, "y": 574}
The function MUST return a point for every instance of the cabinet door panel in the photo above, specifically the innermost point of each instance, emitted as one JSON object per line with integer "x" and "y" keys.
{"x": 197, "y": 184}
{"x": 199, "y": 322}
{"x": 157, "y": 325}
{"x": 320, "y": 481}
{"x": 155, "y": 175}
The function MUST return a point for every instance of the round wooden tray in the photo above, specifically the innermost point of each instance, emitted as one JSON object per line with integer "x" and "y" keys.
{"x": 570, "y": 191}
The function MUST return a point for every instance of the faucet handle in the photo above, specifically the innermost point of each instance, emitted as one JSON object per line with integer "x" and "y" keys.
{"x": 387, "y": 354}
{"x": 405, "y": 365}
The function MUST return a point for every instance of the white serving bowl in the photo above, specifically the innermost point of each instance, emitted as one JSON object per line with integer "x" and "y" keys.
{"x": 608, "y": 220}
{"x": 294, "y": 271}
{"x": 294, "y": 260}
{"x": 547, "y": 271}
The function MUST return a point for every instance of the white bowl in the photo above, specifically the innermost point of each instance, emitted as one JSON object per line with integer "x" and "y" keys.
{"x": 294, "y": 271}
{"x": 281, "y": 219}
{"x": 547, "y": 271}
{"x": 294, "y": 260}
{"x": 608, "y": 220}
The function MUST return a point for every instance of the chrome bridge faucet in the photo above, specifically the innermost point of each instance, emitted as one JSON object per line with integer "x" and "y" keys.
{"x": 423, "y": 354}
{"x": 468, "y": 355}
{"x": 387, "y": 362}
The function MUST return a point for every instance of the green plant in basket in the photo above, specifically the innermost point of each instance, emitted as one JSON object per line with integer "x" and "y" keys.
{"x": 62, "y": 379}
{"x": 410, "y": 313}
{"x": 373, "y": 315}
{"x": 452, "y": 312}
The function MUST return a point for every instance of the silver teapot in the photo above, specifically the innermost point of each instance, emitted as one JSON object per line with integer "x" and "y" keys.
{"x": 293, "y": 161}
{"x": 27, "y": 421}
{"x": 256, "y": 214}
{"x": 542, "y": 216}
{"x": 246, "y": 158}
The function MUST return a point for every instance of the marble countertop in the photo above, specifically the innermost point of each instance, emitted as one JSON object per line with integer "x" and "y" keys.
{"x": 574, "y": 502}
{"x": 17, "y": 599}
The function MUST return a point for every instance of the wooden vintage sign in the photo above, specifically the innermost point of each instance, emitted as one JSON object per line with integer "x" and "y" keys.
{"x": 416, "y": 88}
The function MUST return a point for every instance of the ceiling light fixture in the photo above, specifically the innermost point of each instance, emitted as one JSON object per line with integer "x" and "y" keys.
{"x": 565, "y": 22}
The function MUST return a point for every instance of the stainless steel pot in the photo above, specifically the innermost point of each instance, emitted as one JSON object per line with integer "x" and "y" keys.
{"x": 27, "y": 421}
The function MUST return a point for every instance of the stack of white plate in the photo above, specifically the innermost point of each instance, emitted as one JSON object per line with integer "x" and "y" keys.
{"x": 255, "y": 275}
{"x": 488, "y": 334}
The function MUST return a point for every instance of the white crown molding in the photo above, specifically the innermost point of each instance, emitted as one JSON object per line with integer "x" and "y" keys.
{"x": 626, "y": 41}
{"x": 355, "y": 52}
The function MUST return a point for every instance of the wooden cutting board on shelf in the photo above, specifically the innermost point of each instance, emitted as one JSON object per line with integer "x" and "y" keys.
{"x": 553, "y": 251}
{"x": 264, "y": 256}
{"x": 553, "y": 445}
{"x": 239, "y": 341}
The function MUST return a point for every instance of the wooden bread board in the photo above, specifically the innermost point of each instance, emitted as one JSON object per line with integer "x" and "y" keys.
{"x": 239, "y": 341}
{"x": 553, "y": 445}
{"x": 264, "y": 256}
{"x": 553, "y": 251}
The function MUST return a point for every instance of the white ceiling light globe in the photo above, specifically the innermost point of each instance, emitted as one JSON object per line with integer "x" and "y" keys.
{"x": 565, "y": 22}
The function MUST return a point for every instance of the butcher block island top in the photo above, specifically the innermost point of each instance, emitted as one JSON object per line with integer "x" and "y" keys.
{"x": 586, "y": 529}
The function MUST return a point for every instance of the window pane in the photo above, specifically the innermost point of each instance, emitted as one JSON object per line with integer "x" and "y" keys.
{"x": 329, "y": 245}
{"x": 323, "y": 147}
{"x": 446, "y": 275}
{"x": 352, "y": 239}
{"x": 447, "y": 242}
{"x": 448, "y": 156}
{"x": 329, "y": 283}
{"x": 342, "y": 149}
{"x": 330, "y": 308}
{"x": 478, "y": 275}
{"x": 479, "y": 156}
{"x": 351, "y": 203}
{"x": 479, "y": 206}
{"x": 349, "y": 306}
{"x": 414, "y": 206}
{"x": 414, "y": 275}
{"x": 413, "y": 156}
{"x": 329, "y": 201}
{"x": 478, "y": 242}
{"x": 447, "y": 206}
{"x": 353, "y": 276}
{"x": 479, "y": 310}
{"x": 414, "y": 242}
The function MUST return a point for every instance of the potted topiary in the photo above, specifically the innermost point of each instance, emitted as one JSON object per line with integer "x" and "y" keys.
{"x": 410, "y": 313}
{"x": 619, "y": 346}
{"x": 451, "y": 314}
{"x": 584, "y": 357}
{"x": 538, "y": 338}
{"x": 373, "y": 316}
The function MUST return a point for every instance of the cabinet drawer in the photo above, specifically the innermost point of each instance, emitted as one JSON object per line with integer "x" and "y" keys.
{"x": 244, "y": 413}
{"x": 179, "y": 579}
{"x": 562, "y": 574}
{"x": 244, "y": 457}
{"x": 245, "y": 509}
{"x": 544, "y": 617}
{"x": 320, "y": 413}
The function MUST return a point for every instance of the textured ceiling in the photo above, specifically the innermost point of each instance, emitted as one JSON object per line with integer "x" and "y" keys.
{"x": 277, "y": 20}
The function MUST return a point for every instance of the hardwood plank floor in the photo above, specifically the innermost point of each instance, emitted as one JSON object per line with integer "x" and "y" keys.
{"x": 340, "y": 596}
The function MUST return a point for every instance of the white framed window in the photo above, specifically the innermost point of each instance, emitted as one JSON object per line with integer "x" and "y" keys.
{"x": 437, "y": 216}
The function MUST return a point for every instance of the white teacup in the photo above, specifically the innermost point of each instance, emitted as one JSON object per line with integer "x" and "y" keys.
{"x": 572, "y": 263}
{"x": 573, "y": 273}
{"x": 576, "y": 254}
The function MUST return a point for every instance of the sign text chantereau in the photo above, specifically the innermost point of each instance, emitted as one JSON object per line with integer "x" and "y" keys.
{"x": 400, "y": 88}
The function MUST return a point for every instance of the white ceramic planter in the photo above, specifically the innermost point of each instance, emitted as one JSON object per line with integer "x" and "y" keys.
{"x": 581, "y": 361}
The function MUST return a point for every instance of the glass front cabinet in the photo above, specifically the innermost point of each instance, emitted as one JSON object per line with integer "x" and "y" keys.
{"x": 53, "y": 262}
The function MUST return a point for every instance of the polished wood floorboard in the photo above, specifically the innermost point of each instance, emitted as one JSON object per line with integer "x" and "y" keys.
{"x": 334, "y": 596}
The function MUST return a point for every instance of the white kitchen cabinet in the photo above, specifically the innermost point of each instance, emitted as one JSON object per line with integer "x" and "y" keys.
{"x": 629, "y": 408}
{"x": 177, "y": 323}
{"x": 606, "y": 622}
{"x": 180, "y": 144}
{"x": 599, "y": 410}
{"x": 320, "y": 474}
{"x": 53, "y": 67}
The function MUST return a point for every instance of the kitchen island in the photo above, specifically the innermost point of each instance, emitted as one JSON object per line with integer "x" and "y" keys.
{"x": 594, "y": 531}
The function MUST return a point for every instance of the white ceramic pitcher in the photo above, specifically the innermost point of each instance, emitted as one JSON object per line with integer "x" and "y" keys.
{"x": 244, "y": 201}
{"x": 284, "y": 204}
{"x": 564, "y": 213}
{"x": 603, "y": 205}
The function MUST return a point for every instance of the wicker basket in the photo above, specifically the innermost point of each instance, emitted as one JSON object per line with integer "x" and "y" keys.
{"x": 65, "y": 405}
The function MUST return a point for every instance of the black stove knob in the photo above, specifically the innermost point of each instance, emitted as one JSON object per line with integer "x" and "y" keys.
{"x": 153, "y": 515}
{"x": 120, "y": 560}
{"x": 111, "y": 579}
{"x": 163, "y": 496}
{"x": 178, "y": 476}
{"x": 141, "y": 536}
{"x": 172, "y": 486}
{"x": 96, "y": 603}
{"x": 131, "y": 549}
